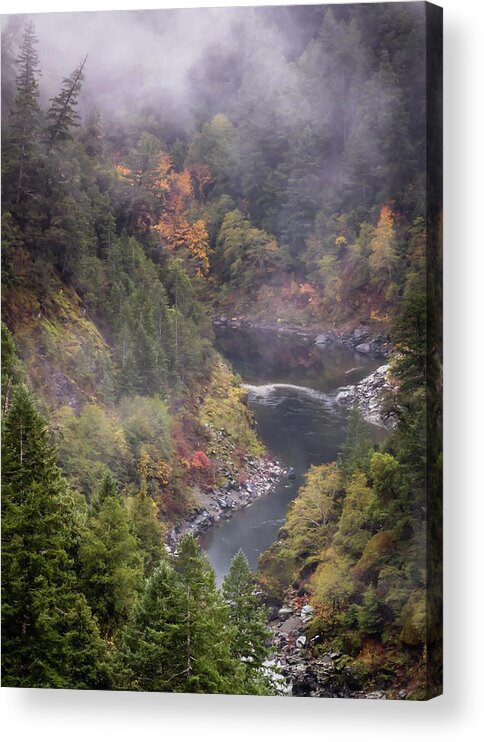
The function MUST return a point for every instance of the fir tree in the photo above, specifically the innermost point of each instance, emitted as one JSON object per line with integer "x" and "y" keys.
{"x": 251, "y": 638}
{"x": 147, "y": 528}
{"x": 206, "y": 660}
{"x": 23, "y": 151}
{"x": 11, "y": 367}
{"x": 62, "y": 113}
{"x": 111, "y": 565}
{"x": 108, "y": 488}
{"x": 178, "y": 637}
{"x": 49, "y": 637}
{"x": 148, "y": 653}
{"x": 369, "y": 616}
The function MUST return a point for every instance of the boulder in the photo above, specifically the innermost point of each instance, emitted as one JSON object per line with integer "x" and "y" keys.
{"x": 361, "y": 333}
{"x": 363, "y": 348}
{"x": 346, "y": 395}
{"x": 285, "y": 612}
{"x": 324, "y": 338}
{"x": 307, "y": 612}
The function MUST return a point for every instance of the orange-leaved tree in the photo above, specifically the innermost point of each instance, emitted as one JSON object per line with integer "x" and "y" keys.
{"x": 174, "y": 226}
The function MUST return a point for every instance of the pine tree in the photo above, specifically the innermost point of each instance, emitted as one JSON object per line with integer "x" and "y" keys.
{"x": 369, "y": 616}
{"x": 147, "y": 528}
{"x": 11, "y": 367}
{"x": 251, "y": 638}
{"x": 178, "y": 637}
{"x": 49, "y": 637}
{"x": 150, "y": 641}
{"x": 62, "y": 112}
{"x": 23, "y": 148}
{"x": 107, "y": 488}
{"x": 111, "y": 565}
{"x": 206, "y": 660}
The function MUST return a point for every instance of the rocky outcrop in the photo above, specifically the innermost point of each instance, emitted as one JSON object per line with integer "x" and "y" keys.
{"x": 262, "y": 474}
{"x": 369, "y": 396}
{"x": 305, "y": 671}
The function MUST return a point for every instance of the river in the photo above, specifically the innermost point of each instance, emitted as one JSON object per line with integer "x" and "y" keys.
{"x": 291, "y": 384}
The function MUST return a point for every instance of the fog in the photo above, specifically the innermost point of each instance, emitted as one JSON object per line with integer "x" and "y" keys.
{"x": 159, "y": 57}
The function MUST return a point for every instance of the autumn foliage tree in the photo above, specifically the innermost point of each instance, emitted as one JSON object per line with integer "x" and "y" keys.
{"x": 384, "y": 257}
{"x": 175, "y": 228}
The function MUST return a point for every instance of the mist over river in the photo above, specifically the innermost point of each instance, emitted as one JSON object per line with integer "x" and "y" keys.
{"x": 291, "y": 384}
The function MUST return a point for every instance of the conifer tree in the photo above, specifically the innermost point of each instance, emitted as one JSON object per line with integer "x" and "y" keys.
{"x": 23, "y": 151}
{"x": 369, "y": 616}
{"x": 63, "y": 110}
{"x": 206, "y": 659}
{"x": 178, "y": 637}
{"x": 111, "y": 565}
{"x": 49, "y": 637}
{"x": 11, "y": 367}
{"x": 147, "y": 528}
{"x": 107, "y": 488}
{"x": 250, "y": 642}
{"x": 147, "y": 659}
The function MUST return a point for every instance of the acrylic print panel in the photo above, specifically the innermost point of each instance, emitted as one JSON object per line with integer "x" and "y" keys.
{"x": 221, "y": 349}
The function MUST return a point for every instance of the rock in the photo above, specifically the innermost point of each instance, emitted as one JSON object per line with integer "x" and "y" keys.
{"x": 402, "y": 694}
{"x": 301, "y": 641}
{"x": 291, "y": 473}
{"x": 361, "y": 333}
{"x": 285, "y": 612}
{"x": 382, "y": 370}
{"x": 324, "y": 338}
{"x": 273, "y": 613}
{"x": 346, "y": 395}
{"x": 363, "y": 348}
{"x": 307, "y": 612}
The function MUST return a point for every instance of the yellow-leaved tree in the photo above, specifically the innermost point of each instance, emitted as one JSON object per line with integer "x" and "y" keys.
{"x": 384, "y": 258}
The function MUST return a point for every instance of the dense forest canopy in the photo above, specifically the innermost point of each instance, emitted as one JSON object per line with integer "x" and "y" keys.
{"x": 157, "y": 168}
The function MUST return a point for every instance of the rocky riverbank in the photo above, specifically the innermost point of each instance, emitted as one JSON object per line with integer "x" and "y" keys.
{"x": 213, "y": 505}
{"x": 308, "y": 670}
{"x": 369, "y": 396}
{"x": 366, "y": 339}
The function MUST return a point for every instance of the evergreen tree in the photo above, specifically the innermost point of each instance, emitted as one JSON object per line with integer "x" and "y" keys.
{"x": 62, "y": 112}
{"x": 148, "y": 657}
{"x": 23, "y": 147}
{"x": 206, "y": 661}
{"x": 110, "y": 563}
{"x": 369, "y": 616}
{"x": 108, "y": 488}
{"x": 147, "y": 528}
{"x": 11, "y": 367}
{"x": 251, "y": 638}
{"x": 49, "y": 637}
{"x": 178, "y": 637}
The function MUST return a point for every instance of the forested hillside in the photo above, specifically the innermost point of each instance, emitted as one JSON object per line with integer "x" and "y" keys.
{"x": 285, "y": 182}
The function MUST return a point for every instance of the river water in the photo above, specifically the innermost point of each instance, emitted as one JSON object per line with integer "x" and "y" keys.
{"x": 292, "y": 385}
